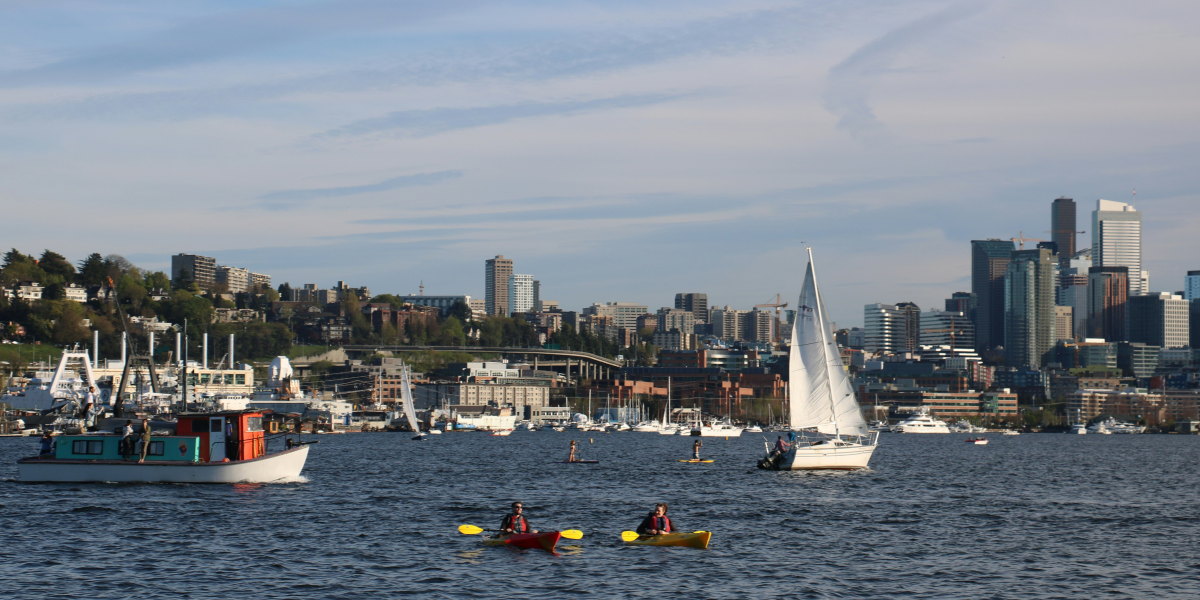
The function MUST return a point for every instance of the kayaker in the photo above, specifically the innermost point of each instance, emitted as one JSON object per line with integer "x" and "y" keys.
{"x": 572, "y": 457}
{"x": 696, "y": 450}
{"x": 657, "y": 522}
{"x": 515, "y": 522}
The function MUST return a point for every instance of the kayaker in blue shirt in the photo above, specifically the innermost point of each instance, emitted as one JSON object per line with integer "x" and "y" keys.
{"x": 515, "y": 522}
{"x": 657, "y": 522}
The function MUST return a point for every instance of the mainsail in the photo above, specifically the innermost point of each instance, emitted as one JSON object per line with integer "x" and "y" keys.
{"x": 820, "y": 394}
{"x": 407, "y": 397}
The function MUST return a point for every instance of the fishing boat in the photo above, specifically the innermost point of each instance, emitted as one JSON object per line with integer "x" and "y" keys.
{"x": 821, "y": 399}
{"x": 217, "y": 447}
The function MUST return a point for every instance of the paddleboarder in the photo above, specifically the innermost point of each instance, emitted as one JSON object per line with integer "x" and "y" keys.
{"x": 515, "y": 522}
{"x": 572, "y": 457}
{"x": 657, "y": 522}
{"x": 696, "y": 450}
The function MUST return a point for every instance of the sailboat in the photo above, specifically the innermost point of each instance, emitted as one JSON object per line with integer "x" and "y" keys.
{"x": 821, "y": 400}
{"x": 407, "y": 397}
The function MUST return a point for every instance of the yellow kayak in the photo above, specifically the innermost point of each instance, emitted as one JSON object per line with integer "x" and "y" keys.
{"x": 695, "y": 539}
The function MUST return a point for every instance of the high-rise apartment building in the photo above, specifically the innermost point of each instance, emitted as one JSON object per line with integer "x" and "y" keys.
{"x": 1191, "y": 286}
{"x": 258, "y": 280}
{"x": 891, "y": 328}
{"x": 1062, "y": 228}
{"x": 1159, "y": 319}
{"x": 675, "y": 318}
{"x": 947, "y": 328}
{"x": 520, "y": 293}
{"x": 537, "y": 295}
{"x": 963, "y": 302}
{"x": 695, "y": 302}
{"x": 727, "y": 323}
{"x": 624, "y": 314}
{"x": 1073, "y": 289}
{"x": 1029, "y": 326}
{"x": 497, "y": 275}
{"x": 757, "y": 326}
{"x": 1108, "y": 294}
{"x": 235, "y": 279}
{"x": 1064, "y": 323}
{"x": 200, "y": 269}
{"x": 1117, "y": 241}
{"x": 989, "y": 261}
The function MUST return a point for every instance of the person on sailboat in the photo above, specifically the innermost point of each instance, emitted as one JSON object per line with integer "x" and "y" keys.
{"x": 657, "y": 522}
{"x": 515, "y": 521}
{"x": 781, "y": 447}
{"x": 696, "y": 450}
{"x": 572, "y": 457}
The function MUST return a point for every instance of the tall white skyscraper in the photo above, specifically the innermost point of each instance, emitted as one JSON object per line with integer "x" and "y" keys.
{"x": 520, "y": 293}
{"x": 1117, "y": 241}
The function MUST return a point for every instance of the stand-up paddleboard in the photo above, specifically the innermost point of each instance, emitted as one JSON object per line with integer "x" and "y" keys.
{"x": 586, "y": 462}
{"x": 695, "y": 460}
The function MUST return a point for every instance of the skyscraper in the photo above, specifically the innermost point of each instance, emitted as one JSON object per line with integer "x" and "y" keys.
{"x": 1108, "y": 294}
{"x": 989, "y": 261}
{"x": 497, "y": 273}
{"x": 520, "y": 293}
{"x": 1029, "y": 324}
{"x": 1117, "y": 241}
{"x": 695, "y": 302}
{"x": 1191, "y": 286}
{"x": 892, "y": 328}
{"x": 1062, "y": 228}
{"x": 962, "y": 302}
{"x": 1159, "y": 319}
{"x": 1073, "y": 289}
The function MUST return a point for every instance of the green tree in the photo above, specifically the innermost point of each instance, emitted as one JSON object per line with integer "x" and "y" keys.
{"x": 156, "y": 281}
{"x": 461, "y": 311}
{"x": 92, "y": 270}
{"x": 54, "y": 263}
{"x": 54, "y": 291}
{"x": 451, "y": 333}
{"x": 69, "y": 327}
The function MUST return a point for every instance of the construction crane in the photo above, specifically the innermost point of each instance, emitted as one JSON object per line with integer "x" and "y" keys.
{"x": 952, "y": 331}
{"x": 1022, "y": 239}
{"x": 777, "y": 306}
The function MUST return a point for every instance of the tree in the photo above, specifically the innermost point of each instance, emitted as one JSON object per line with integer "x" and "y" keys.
{"x": 183, "y": 281}
{"x": 461, "y": 311}
{"x": 69, "y": 327}
{"x": 54, "y": 291}
{"x": 119, "y": 265}
{"x": 452, "y": 333}
{"x": 285, "y": 292}
{"x": 157, "y": 281}
{"x": 92, "y": 270}
{"x": 54, "y": 263}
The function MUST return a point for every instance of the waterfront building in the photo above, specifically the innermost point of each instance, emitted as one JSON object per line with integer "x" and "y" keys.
{"x": 1117, "y": 241}
{"x": 499, "y": 395}
{"x": 694, "y": 302}
{"x": 520, "y": 293}
{"x": 1029, "y": 332}
{"x": 1159, "y": 319}
{"x": 236, "y": 280}
{"x": 989, "y": 262}
{"x": 201, "y": 270}
{"x": 891, "y": 328}
{"x": 947, "y": 328}
{"x": 497, "y": 274}
{"x": 1064, "y": 323}
{"x": 1108, "y": 296}
{"x": 1062, "y": 228}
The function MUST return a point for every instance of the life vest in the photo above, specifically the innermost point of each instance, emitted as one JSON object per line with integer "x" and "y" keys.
{"x": 666, "y": 522}
{"x": 512, "y": 523}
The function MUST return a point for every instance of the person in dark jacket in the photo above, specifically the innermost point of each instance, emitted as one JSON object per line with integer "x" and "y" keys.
{"x": 515, "y": 521}
{"x": 47, "y": 448}
{"x": 657, "y": 522}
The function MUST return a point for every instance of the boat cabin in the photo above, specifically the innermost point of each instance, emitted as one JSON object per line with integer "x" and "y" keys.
{"x": 233, "y": 435}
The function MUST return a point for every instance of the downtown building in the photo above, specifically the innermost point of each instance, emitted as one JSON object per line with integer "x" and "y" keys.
{"x": 891, "y": 328}
{"x": 695, "y": 303}
{"x": 1062, "y": 228}
{"x": 1029, "y": 323}
{"x": 947, "y": 328}
{"x": 1073, "y": 289}
{"x": 624, "y": 314}
{"x": 521, "y": 294}
{"x": 1108, "y": 296}
{"x": 1117, "y": 242}
{"x": 497, "y": 277}
{"x": 1159, "y": 319}
{"x": 989, "y": 263}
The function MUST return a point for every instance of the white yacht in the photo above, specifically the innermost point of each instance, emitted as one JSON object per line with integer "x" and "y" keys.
{"x": 922, "y": 422}
{"x": 647, "y": 427}
{"x": 1111, "y": 425}
{"x": 718, "y": 429}
{"x": 753, "y": 429}
{"x": 1078, "y": 429}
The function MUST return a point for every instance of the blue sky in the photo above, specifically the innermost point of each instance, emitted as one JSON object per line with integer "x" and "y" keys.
{"x": 618, "y": 151}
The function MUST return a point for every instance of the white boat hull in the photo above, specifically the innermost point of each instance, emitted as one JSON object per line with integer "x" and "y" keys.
{"x": 825, "y": 456}
{"x": 925, "y": 429}
{"x": 719, "y": 432}
{"x": 273, "y": 467}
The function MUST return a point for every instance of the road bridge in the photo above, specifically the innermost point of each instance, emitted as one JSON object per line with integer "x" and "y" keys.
{"x": 582, "y": 365}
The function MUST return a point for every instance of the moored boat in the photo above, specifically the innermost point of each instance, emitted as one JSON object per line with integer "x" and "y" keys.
{"x": 695, "y": 539}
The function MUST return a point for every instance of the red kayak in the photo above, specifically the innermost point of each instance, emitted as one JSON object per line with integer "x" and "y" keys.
{"x": 536, "y": 541}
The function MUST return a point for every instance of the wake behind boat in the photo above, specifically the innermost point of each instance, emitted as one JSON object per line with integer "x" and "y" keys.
{"x": 821, "y": 398}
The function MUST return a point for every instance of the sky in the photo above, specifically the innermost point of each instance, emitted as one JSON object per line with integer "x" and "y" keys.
{"x": 616, "y": 150}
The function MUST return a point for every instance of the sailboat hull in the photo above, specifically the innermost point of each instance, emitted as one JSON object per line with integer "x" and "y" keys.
{"x": 826, "y": 456}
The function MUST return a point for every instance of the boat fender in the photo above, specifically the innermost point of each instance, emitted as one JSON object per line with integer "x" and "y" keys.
{"x": 226, "y": 459}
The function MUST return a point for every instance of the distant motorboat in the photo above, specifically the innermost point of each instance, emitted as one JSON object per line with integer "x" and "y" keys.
{"x": 1011, "y": 432}
{"x": 753, "y": 429}
{"x": 718, "y": 429}
{"x": 977, "y": 441}
{"x": 1078, "y": 429}
{"x": 922, "y": 422}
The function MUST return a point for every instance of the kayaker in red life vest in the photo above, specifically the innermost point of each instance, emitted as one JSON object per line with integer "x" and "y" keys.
{"x": 515, "y": 522}
{"x": 657, "y": 522}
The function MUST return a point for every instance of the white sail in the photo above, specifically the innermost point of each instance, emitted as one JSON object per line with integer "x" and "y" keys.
{"x": 820, "y": 394}
{"x": 407, "y": 397}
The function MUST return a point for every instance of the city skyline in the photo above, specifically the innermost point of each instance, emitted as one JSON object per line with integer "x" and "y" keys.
{"x": 388, "y": 144}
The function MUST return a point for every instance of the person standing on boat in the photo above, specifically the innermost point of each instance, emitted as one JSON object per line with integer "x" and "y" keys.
{"x": 145, "y": 439}
{"x": 696, "y": 450}
{"x": 572, "y": 457}
{"x": 514, "y": 522}
{"x": 47, "y": 444}
{"x": 127, "y": 440}
{"x": 657, "y": 522}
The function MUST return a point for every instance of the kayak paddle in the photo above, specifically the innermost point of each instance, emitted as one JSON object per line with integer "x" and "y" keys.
{"x": 570, "y": 534}
{"x": 629, "y": 536}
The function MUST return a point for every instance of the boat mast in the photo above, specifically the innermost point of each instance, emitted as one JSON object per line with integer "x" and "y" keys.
{"x": 824, "y": 344}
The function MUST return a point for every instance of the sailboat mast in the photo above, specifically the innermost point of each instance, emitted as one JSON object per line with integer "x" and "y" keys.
{"x": 824, "y": 343}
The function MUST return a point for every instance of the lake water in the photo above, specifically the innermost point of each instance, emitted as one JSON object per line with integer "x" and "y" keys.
{"x": 1030, "y": 516}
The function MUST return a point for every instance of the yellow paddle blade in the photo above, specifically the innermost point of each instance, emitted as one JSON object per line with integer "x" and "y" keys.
{"x": 699, "y": 532}
{"x": 629, "y": 536}
{"x": 572, "y": 534}
{"x": 469, "y": 529}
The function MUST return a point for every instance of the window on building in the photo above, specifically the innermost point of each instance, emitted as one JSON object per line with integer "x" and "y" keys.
{"x": 240, "y": 379}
